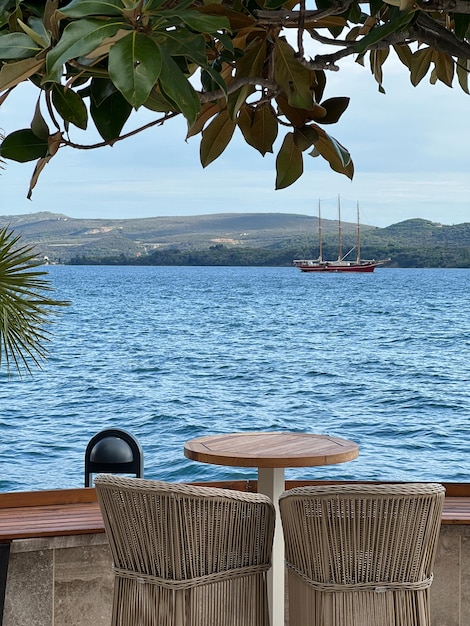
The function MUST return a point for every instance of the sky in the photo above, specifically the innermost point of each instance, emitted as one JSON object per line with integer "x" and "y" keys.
{"x": 409, "y": 147}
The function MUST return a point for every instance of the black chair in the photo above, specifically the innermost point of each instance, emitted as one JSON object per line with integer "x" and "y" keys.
{"x": 113, "y": 451}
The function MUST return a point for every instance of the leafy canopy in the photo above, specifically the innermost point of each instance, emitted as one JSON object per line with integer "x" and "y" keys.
{"x": 259, "y": 66}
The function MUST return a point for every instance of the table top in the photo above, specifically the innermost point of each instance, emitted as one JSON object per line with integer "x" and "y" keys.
{"x": 271, "y": 449}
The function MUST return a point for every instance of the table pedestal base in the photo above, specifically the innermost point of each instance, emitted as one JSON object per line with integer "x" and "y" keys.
{"x": 271, "y": 483}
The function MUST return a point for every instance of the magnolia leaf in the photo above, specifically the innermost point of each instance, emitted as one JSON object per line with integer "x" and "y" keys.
{"x": 333, "y": 152}
{"x": 78, "y": 39}
{"x": 420, "y": 63}
{"x": 105, "y": 46}
{"x": 444, "y": 67}
{"x": 297, "y": 117}
{"x": 259, "y": 127}
{"x": 377, "y": 59}
{"x": 108, "y": 108}
{"x": 23, "y": 146}
{"x": 207, "y": 111}
{"x": 249, "y": 65}
{"x": 305, "y": 137}
{"x": 135, "y": 64}
{"x": 216, "y": 137}
{"x": 70, "y": 106}
{"x": 40, "y": 36}
{"x": 17, "y": 46}
{"x": 157, "y": 102}
{"x": 54, "y": 142}
{"x": 85, "y": 8}
{"x": 462, "y": 24}
{"x": 273, "y": 4}
{"x": 13, "y": 74}
{"x": 289, "y": 163}
{"x": 291, "y": 76}
{"x": 318, "y": 83}
{"x": 463, "y": 69}
{"x": 201, "y": 23}
{"x": 404, "y": 54}
{"x": 178, "y": 89}
{"x": 335, "y": 107}
{"x": 381, "y": 32}
{"x": 180, "y": 42}
{"x": 212, "y": 80}
{"x": 38, "y": 124}
{"x": 237, "y": 20}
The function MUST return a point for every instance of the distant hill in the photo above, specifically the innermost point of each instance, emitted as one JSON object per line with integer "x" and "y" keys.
{"x": 60, "y": 237}
{"x": 236, "y": 238}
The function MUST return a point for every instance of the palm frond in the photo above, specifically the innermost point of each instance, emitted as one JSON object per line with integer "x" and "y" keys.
{"x": 25, "y": 308}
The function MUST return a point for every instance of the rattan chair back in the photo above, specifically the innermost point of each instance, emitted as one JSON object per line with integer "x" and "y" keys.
{"x": 186, "y": 555}
{"x": 361, "y": 555}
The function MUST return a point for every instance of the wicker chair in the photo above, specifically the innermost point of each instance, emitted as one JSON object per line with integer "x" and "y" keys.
{"x": 186, "y": 555}
{"x": 361, "y": 555}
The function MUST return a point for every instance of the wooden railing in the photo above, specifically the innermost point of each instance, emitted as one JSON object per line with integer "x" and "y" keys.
{"x": 76, "y": 511}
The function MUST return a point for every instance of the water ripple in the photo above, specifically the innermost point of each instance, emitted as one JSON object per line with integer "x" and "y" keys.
{"x": 175, "y": 353}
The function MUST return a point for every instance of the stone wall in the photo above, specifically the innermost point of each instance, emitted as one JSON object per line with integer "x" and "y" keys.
{"x": 59, "y": 581}
{"x": 67, "y": 581}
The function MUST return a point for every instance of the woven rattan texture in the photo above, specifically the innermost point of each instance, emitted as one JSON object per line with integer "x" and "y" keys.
{"x": 185, "y": 555}
{"x": 361, "y": 555}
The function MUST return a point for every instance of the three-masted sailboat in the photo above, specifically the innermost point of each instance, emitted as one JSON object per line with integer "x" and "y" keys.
{"x": 341, "y": 264}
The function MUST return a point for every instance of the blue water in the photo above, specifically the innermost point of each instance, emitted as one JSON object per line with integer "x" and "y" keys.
{"x": 172, "y": 353}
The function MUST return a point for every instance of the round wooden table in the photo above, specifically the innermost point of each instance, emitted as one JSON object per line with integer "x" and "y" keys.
{"x": 271, "y": 453}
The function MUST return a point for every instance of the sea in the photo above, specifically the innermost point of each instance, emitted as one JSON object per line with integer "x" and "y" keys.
{"x": 173, "y": 353}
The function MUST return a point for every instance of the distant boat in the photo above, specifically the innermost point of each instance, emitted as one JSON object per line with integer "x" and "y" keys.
{"x": 341, "y": 264}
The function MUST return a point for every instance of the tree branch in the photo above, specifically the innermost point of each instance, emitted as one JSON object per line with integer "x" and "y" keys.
{"x": 437, "y": 36}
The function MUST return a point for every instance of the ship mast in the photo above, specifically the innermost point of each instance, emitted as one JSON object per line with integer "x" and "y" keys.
{"x": 358, "y": 237}
{"x": 320, "y": 241}
{"x": 340, "y": 241}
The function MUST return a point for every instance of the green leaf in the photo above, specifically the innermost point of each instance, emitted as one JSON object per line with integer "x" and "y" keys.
{"x": 12, "y": 74}
{"x": 212, "y": 79}
{"x": 38, "y": 124}
{"x": 289, "y": 163}
{"x": 381, "y": 32}
{"x": 333, "y": 152}
{"x": 70, "y": 106}
{"x": 202, "y": 23}
{"x": 109, "y": 109}
{"x": 335, "y": 107}
{"x": 36, "y": 30}
{"x": 135, "y": 64}
{"x": 216, "y": 137}
{"x": 305, "y": 137}
{"x": 273, "y": 4}
{"x": 78, "y": 39}
{"x": 178, "y": 89}
{"x": 404, "y": 54}
{"x": 249, "y": 65}
{"x": 85, "y": 8}
{"x": 17, "y": 46}
{"x": 180, "y": 42}
{"x": 463, "y": 69}
{"x": 462, "y": 24}
{"x": 420, "y": 62}
{"x": 23, "y": 146}
{"x": 444, "y": 67}
{"x": 291, "y": 76}
{"x": 157, "y": 102}
{"x": 259, "y": 127}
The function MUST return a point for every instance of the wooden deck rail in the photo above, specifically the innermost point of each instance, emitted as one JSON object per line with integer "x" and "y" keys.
{"x": 76, "y": 511}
